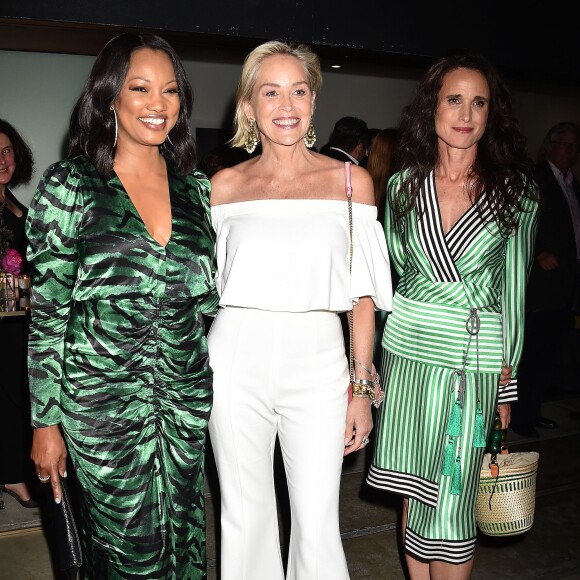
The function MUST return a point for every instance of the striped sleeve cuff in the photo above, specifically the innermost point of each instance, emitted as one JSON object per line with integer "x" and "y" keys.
{"x": 508, "y": 393}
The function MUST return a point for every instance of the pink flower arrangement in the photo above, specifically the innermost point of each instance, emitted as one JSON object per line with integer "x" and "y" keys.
{"x": 12, "y": 262}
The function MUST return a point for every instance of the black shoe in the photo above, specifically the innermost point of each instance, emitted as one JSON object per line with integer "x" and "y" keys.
{"x": 29, "y": 503}
{"x": 544, "y": 423}
{"x": 524, "y": 430}
{"x": 575, "y": 415}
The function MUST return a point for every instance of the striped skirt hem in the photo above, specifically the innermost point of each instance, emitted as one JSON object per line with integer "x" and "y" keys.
{"x": 404, "y": 484}
{"x": 454, "y": 552}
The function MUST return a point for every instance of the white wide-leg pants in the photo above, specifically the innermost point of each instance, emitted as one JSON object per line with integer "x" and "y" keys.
{"x": 279, "y": 374}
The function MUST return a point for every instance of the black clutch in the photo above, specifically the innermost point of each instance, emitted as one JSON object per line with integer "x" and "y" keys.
{"x": 68, "y": 546}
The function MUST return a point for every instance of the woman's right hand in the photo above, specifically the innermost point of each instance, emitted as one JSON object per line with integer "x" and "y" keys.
{"x": 49, "y": 457}
{"x": 359, "y": 423}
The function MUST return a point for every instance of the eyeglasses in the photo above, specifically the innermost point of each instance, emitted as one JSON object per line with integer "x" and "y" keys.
{"x": 567, "y": 146}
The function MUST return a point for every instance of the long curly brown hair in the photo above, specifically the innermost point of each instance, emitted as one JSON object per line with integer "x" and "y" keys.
{"x": 502, "y": 173}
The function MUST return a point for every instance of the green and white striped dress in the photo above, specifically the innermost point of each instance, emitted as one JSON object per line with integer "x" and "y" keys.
{"x": 441, "y": 376}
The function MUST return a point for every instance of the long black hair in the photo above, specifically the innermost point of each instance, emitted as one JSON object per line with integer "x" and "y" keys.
{"x": 92, "y": 125}
{"x": 22, "y": 155}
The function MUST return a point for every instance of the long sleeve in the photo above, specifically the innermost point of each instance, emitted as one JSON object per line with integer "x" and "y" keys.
{"x": 395, "y": 244}
{"x": 52, "y": 229}
{"x": 209, "y": 302}
{"x": 518, "y": 260}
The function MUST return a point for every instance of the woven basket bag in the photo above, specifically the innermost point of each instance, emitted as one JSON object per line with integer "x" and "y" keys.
{"x": 505, "y": 504}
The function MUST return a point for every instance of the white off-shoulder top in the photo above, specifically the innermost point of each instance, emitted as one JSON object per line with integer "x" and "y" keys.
{"x": 292, "y": 255}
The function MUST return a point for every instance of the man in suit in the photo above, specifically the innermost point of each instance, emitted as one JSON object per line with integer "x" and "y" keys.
{"x": 553, "y": 287}
{"x": 348, "y": 140}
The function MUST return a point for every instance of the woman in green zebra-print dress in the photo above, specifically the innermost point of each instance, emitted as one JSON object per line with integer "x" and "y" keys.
{"x": 122, "y": 256}
{"x": 460, "y": 227}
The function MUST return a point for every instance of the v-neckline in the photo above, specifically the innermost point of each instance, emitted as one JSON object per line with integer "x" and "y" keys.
{"x": 136, "y": 211}
{"x": 459, "y": 220}
{"x": 442, "y": 250}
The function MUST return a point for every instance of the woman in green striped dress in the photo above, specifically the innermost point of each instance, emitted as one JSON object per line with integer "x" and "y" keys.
{"x": 460, "y": 226}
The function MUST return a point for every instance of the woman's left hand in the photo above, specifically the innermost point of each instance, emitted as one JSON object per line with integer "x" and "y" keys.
{"x": 506, "y": 375}
{"x": 504, "y": 411}
{"x": 359, "y": 424}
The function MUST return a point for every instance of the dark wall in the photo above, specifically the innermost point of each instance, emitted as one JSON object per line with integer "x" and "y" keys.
{"x": 531, "y": 43}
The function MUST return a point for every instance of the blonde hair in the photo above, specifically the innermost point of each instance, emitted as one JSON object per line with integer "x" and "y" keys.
{"x": 249, "y": 76}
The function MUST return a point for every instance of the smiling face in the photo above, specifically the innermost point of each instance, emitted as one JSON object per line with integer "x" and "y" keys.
{"x": 148, "y": 104}
{"x": 462, "y": 108}
{"x": 7, "y": 161}
{"x": 281, "y": 102}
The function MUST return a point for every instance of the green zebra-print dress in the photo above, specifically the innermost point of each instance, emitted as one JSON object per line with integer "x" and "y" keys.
{"x": 441, "y": 377}
{"x": 118, "y": 358}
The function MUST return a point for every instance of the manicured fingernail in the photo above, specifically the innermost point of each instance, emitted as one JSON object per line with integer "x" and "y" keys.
{"x": 64, "y": 474}
{"x": 57, "y": 500}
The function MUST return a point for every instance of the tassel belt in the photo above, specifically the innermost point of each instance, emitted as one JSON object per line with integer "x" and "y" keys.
{"x": 451, "y": 463}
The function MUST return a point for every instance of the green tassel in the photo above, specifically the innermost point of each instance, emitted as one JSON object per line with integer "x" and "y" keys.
{"x": 456, "y": 480}
{"x": 479, "y": 431}
{"x": 454, "y": 422}
{"x": 448, "y": 457}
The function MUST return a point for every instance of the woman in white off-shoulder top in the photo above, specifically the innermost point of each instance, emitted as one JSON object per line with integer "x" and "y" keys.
{"x": 276, "y": 346}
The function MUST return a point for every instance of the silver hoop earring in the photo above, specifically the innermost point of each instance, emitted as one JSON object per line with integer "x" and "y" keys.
{"x": 168, "y": 139}
{"x": 116, "y": 126}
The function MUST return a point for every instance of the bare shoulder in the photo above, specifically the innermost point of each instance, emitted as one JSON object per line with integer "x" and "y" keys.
{"x": 227, "y": 183}
{"x": 325, "y": 161}
{"x": 333, "y": 176}
{"x": 362, "y": 185}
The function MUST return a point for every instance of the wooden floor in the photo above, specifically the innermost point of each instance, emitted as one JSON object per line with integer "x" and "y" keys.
{"x": 550, "y": 550}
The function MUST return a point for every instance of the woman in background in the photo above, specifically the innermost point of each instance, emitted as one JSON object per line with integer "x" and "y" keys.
{"x": 16, "y": 165}
{"x": 460, "y": 228}
{"x": 381, "y": 165}
{"x": 122, "y": 257}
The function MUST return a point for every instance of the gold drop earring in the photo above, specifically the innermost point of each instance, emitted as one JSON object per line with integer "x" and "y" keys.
{"x": 310, "y": 137}
{"x": 252, "y": 138}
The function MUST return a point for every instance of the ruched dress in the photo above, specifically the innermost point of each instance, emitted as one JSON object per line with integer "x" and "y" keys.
{"x": 458, "y": 313}
{"x": 118, "y": 358}
{"x": 280, "y": 370}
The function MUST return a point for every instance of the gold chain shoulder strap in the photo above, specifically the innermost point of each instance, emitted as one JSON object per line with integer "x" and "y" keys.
{"x": 348, "y": 190}
{"x": 379, "y": 394}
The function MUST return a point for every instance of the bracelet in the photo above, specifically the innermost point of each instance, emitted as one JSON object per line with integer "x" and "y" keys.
{"x": 363, "y": 366}
{"x": 365, "y": 382}
{"x": 361, "y": 391}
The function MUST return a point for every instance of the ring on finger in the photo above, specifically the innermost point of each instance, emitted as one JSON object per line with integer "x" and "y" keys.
{"x": 365, "y": 441}
{"x": 43, "y": 478}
